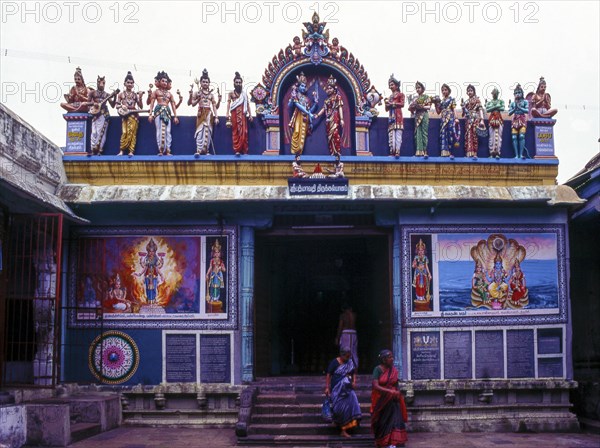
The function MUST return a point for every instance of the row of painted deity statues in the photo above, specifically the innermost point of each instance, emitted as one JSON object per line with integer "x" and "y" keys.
{"x": 162, "y": 110}
{"x": 303, "y": 113}
{"x": 537, "y": 105}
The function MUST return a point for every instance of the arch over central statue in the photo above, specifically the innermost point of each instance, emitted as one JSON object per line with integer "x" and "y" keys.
{"x": 318, "y": 60}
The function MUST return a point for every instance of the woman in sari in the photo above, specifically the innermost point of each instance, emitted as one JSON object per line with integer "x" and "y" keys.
{"x": 449, "y": 128}
{"x": 340, "y": 390}
{"x": 388, "y": 411}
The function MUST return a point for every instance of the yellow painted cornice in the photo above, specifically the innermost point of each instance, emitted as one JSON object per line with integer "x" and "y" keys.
{"x": 241, "y": 172}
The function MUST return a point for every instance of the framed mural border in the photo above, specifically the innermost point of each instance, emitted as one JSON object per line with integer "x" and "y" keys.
{"x": 195, "y": 322}
{"x": 410, "y": 321}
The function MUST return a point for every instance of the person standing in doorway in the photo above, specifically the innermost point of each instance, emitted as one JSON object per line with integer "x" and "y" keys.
{"x": 346, "y": 332}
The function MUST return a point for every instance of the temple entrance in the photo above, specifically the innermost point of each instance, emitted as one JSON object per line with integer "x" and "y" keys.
{"x": 302, "y": 283}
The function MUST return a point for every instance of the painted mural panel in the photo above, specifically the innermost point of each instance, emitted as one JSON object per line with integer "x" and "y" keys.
{"x": 421, "y": 266}
{"x": 157, "y": 276}
{"x": 215, "y": 302}
{"x": 484, "y": 275}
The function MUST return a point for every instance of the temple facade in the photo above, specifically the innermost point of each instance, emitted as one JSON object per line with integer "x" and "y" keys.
{"x": 200, "y": 257}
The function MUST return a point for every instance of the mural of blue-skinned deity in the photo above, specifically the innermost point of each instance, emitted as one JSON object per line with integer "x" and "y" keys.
{"x": 499, "y": 272}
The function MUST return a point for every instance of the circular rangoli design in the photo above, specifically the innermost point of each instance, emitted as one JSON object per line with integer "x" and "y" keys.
{"x": 113, "y": 357}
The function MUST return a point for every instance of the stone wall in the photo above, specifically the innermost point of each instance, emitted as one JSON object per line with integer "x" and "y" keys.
{"x": 490, "y": 406}
{"x": 185, "y": 404}
{"x": 31, "y": 165}
{"x": 13, "y": 426}
{"x": 28, "y": 156}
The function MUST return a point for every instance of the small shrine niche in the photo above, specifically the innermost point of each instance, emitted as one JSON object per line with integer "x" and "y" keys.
{"x": 302, "y": 71}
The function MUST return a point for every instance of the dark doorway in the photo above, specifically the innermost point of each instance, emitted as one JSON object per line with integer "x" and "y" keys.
{"x": 302, "y": 283}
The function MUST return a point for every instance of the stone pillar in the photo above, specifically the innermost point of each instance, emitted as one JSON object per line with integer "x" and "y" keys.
{"x": 44, "y": 312}
{"x": 396, "y": 301}
{"x": 362, "y": 136}
{"x": 247, "y": 301}
{"x": 544, "y": 137}
{"x": 273, "y": 144}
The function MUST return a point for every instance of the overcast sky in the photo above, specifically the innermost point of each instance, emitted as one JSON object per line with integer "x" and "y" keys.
{"x": 486, "y": 43}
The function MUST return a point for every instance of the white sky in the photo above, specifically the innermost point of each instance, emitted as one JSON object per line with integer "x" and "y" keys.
{"x": 485, "y": 42}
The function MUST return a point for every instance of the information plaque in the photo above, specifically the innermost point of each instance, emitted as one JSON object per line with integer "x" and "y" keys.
{"x": 425, "y": 355}
{"x": 549, "y": 341}
{"x": 489, "y": 354}
{"x": 550, "y": 367}
{"x": 180, "y": 358}
{"x": 215, "y": 358}
{"x": 520, "y": 354}
{"x": 457, "y": 355}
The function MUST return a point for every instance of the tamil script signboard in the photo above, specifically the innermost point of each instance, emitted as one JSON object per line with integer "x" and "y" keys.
{"x": 322, "y": 186}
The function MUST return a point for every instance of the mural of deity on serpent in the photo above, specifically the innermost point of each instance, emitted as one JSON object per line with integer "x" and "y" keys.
{"x": 498, "y": 281}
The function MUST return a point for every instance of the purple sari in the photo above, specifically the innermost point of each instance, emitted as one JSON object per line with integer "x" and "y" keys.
{"x": 346, "y": 410}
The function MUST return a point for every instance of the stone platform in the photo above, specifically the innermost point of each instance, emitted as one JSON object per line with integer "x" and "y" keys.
{"x": 58, "y": 421}
{"x": 285, "y": 411}
{"x": 129, "y": 437}
{"x": 181, "y": 405}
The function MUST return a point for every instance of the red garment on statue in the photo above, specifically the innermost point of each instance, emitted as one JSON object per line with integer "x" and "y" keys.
{"x": 239, "y": 128}
{"x": 332, "y": 116}
{"x": 396, "y": 119}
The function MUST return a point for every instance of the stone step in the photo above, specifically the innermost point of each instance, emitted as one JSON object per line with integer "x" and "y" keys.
{"x": 301, "y": 441}
{"x": 180, "y": 417}
{"x": 304, "y": 384}
{"x": 283, "y": 399}
{"x": 297, "y": 429}
{"x": 80, "y": 431}
{"x": 304, "y": 408}
{"x": 309, "y": 418}
{"x": 308, "y": 389}
{"x": 302, "y": 379}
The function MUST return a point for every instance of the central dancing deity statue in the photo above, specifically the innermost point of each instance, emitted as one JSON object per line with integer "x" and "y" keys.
{"x": 302, "y": 114}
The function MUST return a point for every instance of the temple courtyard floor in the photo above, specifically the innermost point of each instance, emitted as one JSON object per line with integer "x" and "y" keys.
{"x": 137, "y": 437}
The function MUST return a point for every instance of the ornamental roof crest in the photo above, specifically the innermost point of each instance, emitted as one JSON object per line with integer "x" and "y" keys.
{"x": 314, "y": 47}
